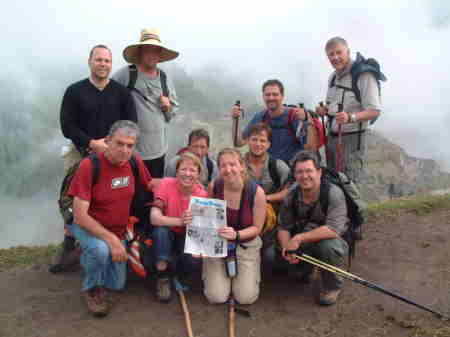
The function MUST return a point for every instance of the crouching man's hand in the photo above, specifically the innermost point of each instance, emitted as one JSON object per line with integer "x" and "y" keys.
{"x": 292, "y": 245}
{"x": 118, "y": 251}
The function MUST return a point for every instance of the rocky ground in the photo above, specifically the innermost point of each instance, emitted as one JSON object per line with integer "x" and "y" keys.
{"x": 408, "y": 254}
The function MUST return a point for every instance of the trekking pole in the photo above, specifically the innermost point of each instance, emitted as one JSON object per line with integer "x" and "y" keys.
{"x": 339, "y": 146}
{"x": 357, "y": 279}
{"x": 302, "y": 106}
{"x": 187, "y": 317}
{"x": 236, "y": 125}
{"x": 322, "y": 117}
{"x": 231, "y": 317}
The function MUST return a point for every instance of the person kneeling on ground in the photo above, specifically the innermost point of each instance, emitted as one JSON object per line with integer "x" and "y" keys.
{"x": 246, "y": 209}
{"x": 101, "y": 211}
{"x": 304, "y": 226}
{"x": 169, "y": 216}
{"x": 198, "y": 144}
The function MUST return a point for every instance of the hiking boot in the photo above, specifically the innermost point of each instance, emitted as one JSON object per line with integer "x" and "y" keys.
{"x": 68, "y": 258}
{"x": 96, "y": 302}
{"x": 329, "y": 297}
{"x": 163, "y": 289}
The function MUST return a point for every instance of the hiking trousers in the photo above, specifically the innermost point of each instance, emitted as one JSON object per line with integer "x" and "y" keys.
{"x": 245, "y": 286}
{"x": 354, "y": 158}
{"x": 99, "y": 269}
{"x": 331, "y": 251}
{"x": 169, "y": 247}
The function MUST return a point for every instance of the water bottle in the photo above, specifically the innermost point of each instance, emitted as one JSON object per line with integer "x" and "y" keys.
{"x": 231, "y": 260}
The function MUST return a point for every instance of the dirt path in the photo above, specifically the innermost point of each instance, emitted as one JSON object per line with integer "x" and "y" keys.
{"x": 409, "y": 255}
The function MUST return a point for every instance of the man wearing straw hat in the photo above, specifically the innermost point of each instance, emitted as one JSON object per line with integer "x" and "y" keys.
{"x": 154, "y": 96}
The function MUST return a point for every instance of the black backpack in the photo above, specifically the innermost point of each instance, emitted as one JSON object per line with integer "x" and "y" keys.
{"x": 362, "y": 65}
{"x": 273, "y": 172}
{"x": 354, "y": 203}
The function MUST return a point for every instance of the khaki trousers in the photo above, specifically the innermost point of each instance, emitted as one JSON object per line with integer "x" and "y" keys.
{"x": 245, "y": 286}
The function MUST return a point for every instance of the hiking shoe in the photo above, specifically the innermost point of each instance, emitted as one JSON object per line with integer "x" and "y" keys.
{"x": 329, "y": 297}
{"x": 163, "y": 289}
{"x": 96, "y": 302}
{"x": 68, "y": 258}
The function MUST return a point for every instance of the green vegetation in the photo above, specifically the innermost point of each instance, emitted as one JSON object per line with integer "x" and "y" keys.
{"x": 22, "y": 256}
{"x": 421, "y": 205}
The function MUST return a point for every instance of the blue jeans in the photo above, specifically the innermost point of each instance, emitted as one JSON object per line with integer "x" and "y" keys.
{"x": 100, "y": 270}
{"x": 169, "y": 247}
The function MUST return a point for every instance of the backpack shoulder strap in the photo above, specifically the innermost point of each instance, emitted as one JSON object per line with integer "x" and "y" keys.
{"x": 292, "y": 203}
{"x": 324, "y": 196}
{"x": 209, "y": 167}
{"x": 332, "y": 81}
{"x": 135, "y": 169}
{"x": 163, "y": 77}
{"x": 95, "y": 167}
{"x": 218, "y": 188}
{"x": 265, "y": 118}
{"x": 273, "y": 172}
{"x": 133, "y": 72}
{"x": 250, "y": 192}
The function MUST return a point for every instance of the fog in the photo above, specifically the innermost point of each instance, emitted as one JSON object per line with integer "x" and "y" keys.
{"x": 227, "y": 49}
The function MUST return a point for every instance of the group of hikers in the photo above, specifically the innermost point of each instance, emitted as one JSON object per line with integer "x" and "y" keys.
{"x": 274, "y": 193}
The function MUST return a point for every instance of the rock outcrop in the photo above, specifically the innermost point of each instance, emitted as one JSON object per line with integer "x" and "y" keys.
{"x": 391, "y": 172}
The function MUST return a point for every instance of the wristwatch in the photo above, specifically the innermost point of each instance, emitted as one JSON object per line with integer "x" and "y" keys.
{"x": 352, "y": 117}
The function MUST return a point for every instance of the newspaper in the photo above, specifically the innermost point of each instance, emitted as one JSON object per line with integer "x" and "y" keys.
{"x": 208, "y": 215}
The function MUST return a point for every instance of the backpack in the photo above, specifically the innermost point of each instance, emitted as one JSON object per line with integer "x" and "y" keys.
{"x": 311, "y": 130}
{"x": 249, "y": 191}
{"x": 362, "y": 65}
{"x": 209, "y": 163}
{"x": 289, "y": 124}
{"x": 273, "y": 172}
{"x": 133, "y": 73}
{"x": 65, "y": 201}
{"x": 316, "y": 137}
{"x": 355, "y": 205}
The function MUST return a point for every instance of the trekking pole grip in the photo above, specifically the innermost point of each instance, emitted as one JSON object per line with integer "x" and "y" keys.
{"x": 236, "y": 124}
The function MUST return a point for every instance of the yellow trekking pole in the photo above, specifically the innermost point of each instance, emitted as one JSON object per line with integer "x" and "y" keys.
{"x": 357, "y": 279}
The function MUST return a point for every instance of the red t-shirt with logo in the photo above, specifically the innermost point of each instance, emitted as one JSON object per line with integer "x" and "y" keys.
{"x": 111, "y": 196}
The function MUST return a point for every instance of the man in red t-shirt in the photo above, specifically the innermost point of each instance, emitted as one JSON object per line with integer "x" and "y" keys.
{"x": 101, "y": 213}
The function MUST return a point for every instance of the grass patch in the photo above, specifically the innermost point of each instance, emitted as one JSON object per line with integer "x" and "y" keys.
{"x": 22, "y": 256}
{"x": 419, "y": 205}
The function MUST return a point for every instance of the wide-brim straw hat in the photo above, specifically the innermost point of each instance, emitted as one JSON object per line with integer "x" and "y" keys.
{"x": 149, "y": 37}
